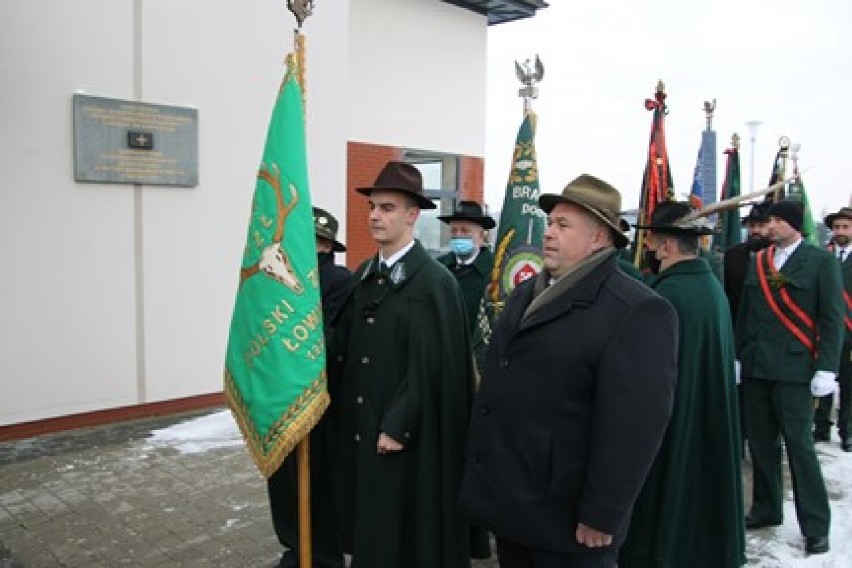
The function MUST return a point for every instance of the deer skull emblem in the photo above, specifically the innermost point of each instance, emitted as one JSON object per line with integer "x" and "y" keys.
{"x": 274, "y": 261}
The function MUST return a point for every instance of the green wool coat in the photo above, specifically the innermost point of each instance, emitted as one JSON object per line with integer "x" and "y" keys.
{"x": 629, "y": 269}
{"x": 472, "y": 279}
{"x": 400, "y": 364}
{"x": 689, "y": 512}
{"x": 766, "y": 349}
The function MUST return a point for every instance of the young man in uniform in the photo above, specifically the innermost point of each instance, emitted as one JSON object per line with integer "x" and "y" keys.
{"x": 789, "y": 337}
{"x": 401, "y": 384}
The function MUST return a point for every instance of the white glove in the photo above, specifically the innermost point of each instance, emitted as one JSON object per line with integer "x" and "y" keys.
{"x": 823, "y": 383}
{"x": 738, "y": 370}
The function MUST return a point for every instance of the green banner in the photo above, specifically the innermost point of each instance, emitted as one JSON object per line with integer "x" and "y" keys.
{"x": 517, "y": 252}
{"x": 729, "y": 226}
{"x": 275, "y": 381}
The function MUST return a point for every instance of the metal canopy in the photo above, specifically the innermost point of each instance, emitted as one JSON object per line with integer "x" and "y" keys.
{"x": 501, "y": 11}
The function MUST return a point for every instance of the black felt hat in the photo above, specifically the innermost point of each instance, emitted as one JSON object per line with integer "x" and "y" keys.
{"x": 469, "y": 211}
{"x": 675, "y": 217}
{"x": 757, "y": 214}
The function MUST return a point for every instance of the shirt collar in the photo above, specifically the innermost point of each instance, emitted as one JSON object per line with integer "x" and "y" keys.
{"x": 396, "y": 256}
{"x": 468, "y": 261}
{"x": 787, "y": 251}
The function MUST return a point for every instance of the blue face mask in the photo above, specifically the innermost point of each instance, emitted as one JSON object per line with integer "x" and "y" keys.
{"x": 462, "y": 246}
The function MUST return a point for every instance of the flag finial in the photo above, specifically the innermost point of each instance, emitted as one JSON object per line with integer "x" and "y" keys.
{"x": 709, "y": 107}
{"x": 794, "y": 157}
{"x": 530, "y": 74}
{"x": 301, "y": 9}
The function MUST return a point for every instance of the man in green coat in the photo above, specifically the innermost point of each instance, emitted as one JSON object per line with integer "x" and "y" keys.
{"x": 690, "y": 509}
{"x": 401, "y": 384}
{"x": 840, "y": 224}
{"x": 469, "y": 259}
{"x": 471, "y": 263}
{"x": 789, "y": 337}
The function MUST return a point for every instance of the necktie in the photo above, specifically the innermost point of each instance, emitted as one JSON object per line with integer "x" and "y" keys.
{"x": 384, "y": 269}
{"x": 841, "y": 254}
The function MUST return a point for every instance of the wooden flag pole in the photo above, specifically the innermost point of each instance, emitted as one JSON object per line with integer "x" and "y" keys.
{"x": 304, "y": 447}
{"x": 738, "y": 201}
{"x": 302, "y": 9}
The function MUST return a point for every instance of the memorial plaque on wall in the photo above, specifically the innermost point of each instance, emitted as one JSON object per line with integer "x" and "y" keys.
{"x": 118, "y": 141}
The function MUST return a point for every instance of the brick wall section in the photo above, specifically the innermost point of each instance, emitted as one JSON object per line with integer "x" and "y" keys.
{"x": 471, "y": 178}
{"x": 363, "y": 164}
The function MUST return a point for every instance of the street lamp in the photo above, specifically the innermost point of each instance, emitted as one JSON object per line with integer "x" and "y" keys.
{"x": 752, "y": 135}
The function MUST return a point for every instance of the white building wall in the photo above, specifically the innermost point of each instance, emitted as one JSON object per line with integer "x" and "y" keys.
{"x": 417, "y": 75}
{"x": 114, "y": 295}
{"x": 66, "y": 250}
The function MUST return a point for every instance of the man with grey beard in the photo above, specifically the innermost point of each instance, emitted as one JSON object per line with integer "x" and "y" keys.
{"x": 840, "y": 224}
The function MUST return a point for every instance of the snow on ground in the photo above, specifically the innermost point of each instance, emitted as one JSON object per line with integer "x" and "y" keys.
{"x": 784, "y": 547}
{"x": 217, "y": 430}
{"x": 779, "y": 547}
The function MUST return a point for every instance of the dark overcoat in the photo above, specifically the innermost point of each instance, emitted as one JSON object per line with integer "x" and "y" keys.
{"x": 401, "y": 365}
{"x": 822, "y": 416}
{"x": 472, "y": 280}
{"x": 283, "y": 485}
{"x": 571, "y": 410}
{"x": 735, "y": 261}
{"x": 335, "y": 281}
{"x": 690, "y": 509}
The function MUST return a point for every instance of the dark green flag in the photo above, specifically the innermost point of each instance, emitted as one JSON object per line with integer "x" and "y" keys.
{"x": 275, "y": 381}
{"x": 517, "y": 254}
{"x": 729, "y": 226}
{"x": 520, "y": 236}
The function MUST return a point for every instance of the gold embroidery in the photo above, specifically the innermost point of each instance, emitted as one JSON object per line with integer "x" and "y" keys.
{"x": 290, "y": 428}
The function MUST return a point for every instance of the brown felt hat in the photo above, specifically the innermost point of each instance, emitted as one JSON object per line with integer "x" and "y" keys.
{"x": 845, "y": 212}
{"x": 325, "y": 227}
{"x": 595, "y": 196}
{"x": 402, "y": 177}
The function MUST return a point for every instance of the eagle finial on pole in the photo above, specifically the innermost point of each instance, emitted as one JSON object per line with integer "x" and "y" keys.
{"x": 529, "y": 74}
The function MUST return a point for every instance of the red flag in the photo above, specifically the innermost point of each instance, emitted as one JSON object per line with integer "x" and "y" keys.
{"x": 657, "y": 183}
